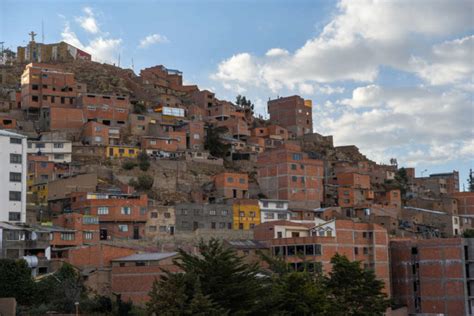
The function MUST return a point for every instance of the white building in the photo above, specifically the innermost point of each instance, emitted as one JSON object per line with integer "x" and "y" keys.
{"x": 58, "y": 151}
{"x": 274, "y": 210}
{"x": 13, "y": 164}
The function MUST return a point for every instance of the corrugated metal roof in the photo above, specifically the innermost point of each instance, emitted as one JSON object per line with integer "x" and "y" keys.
{"x": 246, "y": 244}
{"x": 151, "y": 256}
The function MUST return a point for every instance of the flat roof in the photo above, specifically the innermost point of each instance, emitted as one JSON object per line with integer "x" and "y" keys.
{"x": 4, "y": 132}
{"x": 151, "y": 256}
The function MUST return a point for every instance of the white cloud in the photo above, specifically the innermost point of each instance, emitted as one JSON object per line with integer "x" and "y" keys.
{"x": 363, "y": 36}
{"x": 102, "y": 49}
{"x": 152, "y": 39}
{"x": 306, "y": 88}
{"x": 88, "y": 22}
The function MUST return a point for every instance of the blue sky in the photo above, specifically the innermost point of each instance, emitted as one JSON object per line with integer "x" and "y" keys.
{"x": 394, "y": 78}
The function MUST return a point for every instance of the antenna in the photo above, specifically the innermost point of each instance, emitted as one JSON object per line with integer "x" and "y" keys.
{"x": 42, "y": 31}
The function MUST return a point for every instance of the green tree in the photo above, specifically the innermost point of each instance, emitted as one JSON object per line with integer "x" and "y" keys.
{"x": 216, "y": 280}
{"x": 128, "y": 165}
{"x": 213, "y": 142}
{"x": 144, "y": 182}
{"x": 468, "y": 233}
{"x": 202, "y": 305}
{"x": 242, "y": 101}
{"x": 16, "y": 281}
{"x": 143, "y": 161}
{"x": 353, "y": 290}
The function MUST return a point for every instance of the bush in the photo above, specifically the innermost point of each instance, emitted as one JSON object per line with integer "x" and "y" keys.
{"x": 129, "y": 165}
{"x": 143, "y": 161}
{"x": 144, "y": 182}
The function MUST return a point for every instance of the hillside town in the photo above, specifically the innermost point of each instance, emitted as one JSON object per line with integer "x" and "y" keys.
{"x": 113, "y": 172}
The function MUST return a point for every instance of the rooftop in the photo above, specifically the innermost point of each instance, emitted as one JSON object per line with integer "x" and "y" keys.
{"x": 152, "y": 256}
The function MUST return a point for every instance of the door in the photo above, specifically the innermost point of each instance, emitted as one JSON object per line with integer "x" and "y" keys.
{"x": 171, "y": 230}
{"x": 136, "y": 232}
{"x": 111, "y": 152}
{"x": 103, "y": 234}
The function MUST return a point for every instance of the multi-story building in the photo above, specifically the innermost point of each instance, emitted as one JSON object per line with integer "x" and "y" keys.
{"x": 246, "y": 214}
{"x": 13, "y": 173}
{"x": 161, "y": 220}
{"x": 286, "y": 173}
{"x": 94, "y": 133}
{"x": 121, "y": 216}
{"x": 110, "y": 110}
{"x": 48, "y": 86}
{"x": 316, "y": 243}
{"x": 293, "y": 113}
{"x": 173, "y": 142}
{"x": 40, "y": 169}
{"x": 191, "y": 217}
{"x": 31, "y": 244}
{"x": 232, "y": 185}
{"x": 57, "y": 150}
{"x": 433, "y": 276}
{"x": 465, "y": 202}
{"x": 274, "y": 210}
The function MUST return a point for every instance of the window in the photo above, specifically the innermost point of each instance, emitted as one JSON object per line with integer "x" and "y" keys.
{"x": 196, "y": 136}
{"x": 366, "y": 251}
{"x": 34, "y": 98}
{"x": 15, "y": 140}
{"x": 356, "y": 251}
{"x": 15, "y": 158}
{"x": 154, "y": 215}
{"x": 102, "y": 210}
{"x": 123, "y": 228}
{"x": 302, "y": 167}
{"x": 294, "y": 178}
{"x": 212, "y": 212}
{"x": 224, "y": 212}
{"x": 152, "y": 229}
{"x": 280, "y": 235}
{"x": 15, "y": 176}
{"x": 364, "y": 235}
{"x": 15, "y": 195}
{"x": 265, "y": 204}
{"x": 279, "y": 205}
{"x": 269, "y": 215}
{"x": 88, "y": 235}
{"x": 222, "y": 225}
{"x": 126, "y": 210}
{"x": 45, "y": 98}
{"x": 59, "y": 156}
{"x": 167, "y": 215}
{"x": 163, "y": 229}
{"x": 45, "y": 86}
{"x": 44, "y": 177}
{"x": 241, "y": 226}
{"x": 58, "y": 145}
{"x": 252, "y": 214}
{"x": 293, "y": 166}
{"x": 241, "y": 214}
{"x": 230, "y": 179}
{"x": 142, "y": 210}
{"x": 14, "y": 216}
{"x": 229, "y": 225}
{"x": 302, "y": 180}
{"x": 297, "y": 157}
{"x": 213, "y": 225}
{"x": 281, "y": 216}
{"x": 39, "y": 145}
{"x": 252, "y": 226}
{"x": 242, "y": 181}
{"x": 67, "y": 236}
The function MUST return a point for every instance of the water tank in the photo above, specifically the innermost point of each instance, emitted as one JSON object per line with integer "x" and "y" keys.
{"x": 32, "y": 261}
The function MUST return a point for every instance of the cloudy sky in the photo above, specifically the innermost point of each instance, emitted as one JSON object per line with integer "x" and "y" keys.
{"x": 395, "y": 78}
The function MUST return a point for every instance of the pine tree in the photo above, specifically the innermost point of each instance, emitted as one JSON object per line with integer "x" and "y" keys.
{"x": 202, "y": 305}
{"x": 470, "y": 181}
{"x": 353, "y": 290}
{"x": 168, "y": 295}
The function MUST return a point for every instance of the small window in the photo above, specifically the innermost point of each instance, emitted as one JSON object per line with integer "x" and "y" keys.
{"x": 123, "y": 228}
{"x": 230, "y": 179}
{"x": 14, "y": 216}
{"x": 294, "y": 178}
{"x": 59, "y": 156}
{"x": 163, "y": 229}
{"x": 15, "y": 176}
{"x": 152, "y": 229}
{"x": 167, "y": 215}
{"x": 15, "y": 195}
{"x": 67, "y": 236}
{"x": 212, "y": 212}
{"x": 293, "y": 166}
{"x": 102, "y": 210}
{"x": 34, "y": 98}
{"x": 154, "y": 215}
{"x": 34, "y": 87}
{"x": 126, "y": 210}
{"x": 297, "y": 157}
{"x": 15, "y": 140}
{"x": 242, "y": 181}
{"x": 88, "y": 235}
{"x": 142, "y": 210}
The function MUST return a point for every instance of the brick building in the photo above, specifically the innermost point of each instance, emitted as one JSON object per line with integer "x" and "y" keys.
{"x": 316, "y": 244}
{"x": 433, "y": 276}
{"x": 232, "y": 185}
{"x": 94, "y": 133}
{"x": 465, "y": 201}
{"x": 286, "y": 173}
{"x": 110, "y": 110}
{"x": 133, "y": 276}
{"x": 121, "y": 216}
{"x": 293, "y": 113}
{"x": 161, "y": 220}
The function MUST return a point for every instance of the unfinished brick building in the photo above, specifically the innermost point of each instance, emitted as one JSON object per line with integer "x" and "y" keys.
{"x": 286, "y": 173}
{"x": 293, "y": 113}
{"x": 433, "y": 276}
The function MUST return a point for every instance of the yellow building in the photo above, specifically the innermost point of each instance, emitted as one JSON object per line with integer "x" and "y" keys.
{"x": 246, "y": 214}
{"x": 38, "y": 194}
{"x": 122, "y": 152}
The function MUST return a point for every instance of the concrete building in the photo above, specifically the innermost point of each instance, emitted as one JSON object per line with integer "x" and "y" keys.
{"x": 293, "y": 113}
{"x": 274, "y": 210}
{"x": 22, "y": 242}
{"x": 161, "y": 220}
{"x": 191, "y": 217}
{"x": 246, "y": 214}
{"x": 433, "y": 277}
{"x": 316, "y": 243}
{"x": 121, "y": 216}
{"x": 286, "y": 173}
{"x": 40, "y": 52}
{"x": 13, "y": 188}
{"x": 57, "y": 150}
